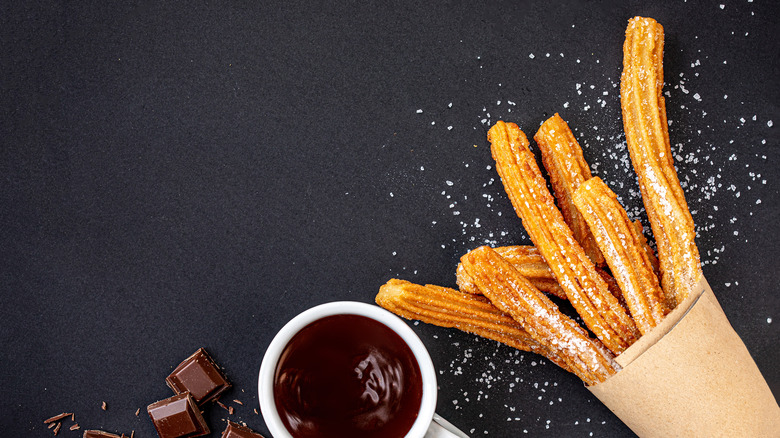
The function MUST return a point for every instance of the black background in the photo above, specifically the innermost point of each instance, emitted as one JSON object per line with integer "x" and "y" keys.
{"x": 195, "y": 174}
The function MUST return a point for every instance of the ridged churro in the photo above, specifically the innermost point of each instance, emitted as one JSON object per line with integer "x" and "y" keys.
{"x": 540, "y": 317}
{"x": 471, "y": 313}
{"x": 622, "y": 247}
{"x": 584, "y": 287}
{"x": 528, "y": 261}
{"x": 563, "y": 159}
{"x": 644, "y": 120}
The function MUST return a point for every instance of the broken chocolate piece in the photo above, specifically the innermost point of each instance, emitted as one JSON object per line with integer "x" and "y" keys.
{"x": 57, "y": 417}
{"x": 99, "y": 434}
{"x": 235, "y": 430}
{"x": 199, "y": 375}
{"x": 177, "y": 417}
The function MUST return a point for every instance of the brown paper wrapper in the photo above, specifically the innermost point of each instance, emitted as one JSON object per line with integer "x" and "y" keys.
{"x": 691, "y": 376}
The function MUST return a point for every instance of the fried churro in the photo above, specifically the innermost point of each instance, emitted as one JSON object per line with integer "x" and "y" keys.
{"x": 471, "y": 313}
{"x": 584, "y": 287}
{"x": 528, "y": 261}
{"x": 563, "y": 159}
{"x": 540, "y": 317}
{"x": 618, "y": 240}
{"x": 644, "y": 121}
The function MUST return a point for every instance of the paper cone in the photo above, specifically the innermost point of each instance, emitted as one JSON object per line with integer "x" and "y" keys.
{"x": 691, "y": 377}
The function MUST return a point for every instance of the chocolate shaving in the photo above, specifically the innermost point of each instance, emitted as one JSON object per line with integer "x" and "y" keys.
{"x": 230, "y": 410}
{"x": 256, "y": 413}
{"x": 75, "y": 427}
{"x": 57, "y": 417}
{"x": 57, "y": 429}
{"x": 137, "y": 411}
{"x": 222, "y": 405}
{"x": 52, "y": 425}
{"x": 104, "y": 406}
{"x": 239, "y": 402}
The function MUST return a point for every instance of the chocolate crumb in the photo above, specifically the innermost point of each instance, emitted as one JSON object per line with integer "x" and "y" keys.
{"x": 104, "y": 406}
{"x": 57, "y": 417}
{"x": 57, "y": 429}
{"x": 137, "y": 411}
{"x": 73, "y": 417}
{"x": 239, "y": 402}
{"x": 132, "y": 434}
{"x": 75, "y": 427}
{"x": 256, "y": 413}
{"x": 230, "y": 410}
{"x": 222, "y": 405}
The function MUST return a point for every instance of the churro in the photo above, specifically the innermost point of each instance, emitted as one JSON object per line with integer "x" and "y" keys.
{"x": 540, "y": 317}
{"x": 528, "y": 261}
{"x": 644, "y": 121}
{"x": 618, "y": 240}
{"x": 563, "y": 159}
{"x": 584, "y": 287}
{"x": 471, "y": 313}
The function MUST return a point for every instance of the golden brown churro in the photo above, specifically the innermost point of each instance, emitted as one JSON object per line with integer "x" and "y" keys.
{"x": 584, "y": 287}
{"x": 471, "y": 313}
{"x": 563, "y": 159}
{"x": 540, "y": 317}
{"x": 618, "y": 240}
{"x": 644, "y": 120}
{"x": 528, "y": 261}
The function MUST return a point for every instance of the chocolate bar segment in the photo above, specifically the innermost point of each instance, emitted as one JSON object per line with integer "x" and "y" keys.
{"x": 235, "y": 430}
{"x": 99, "y": 434}
{"x": 199, "y": 376}
{"x": 177, "y": 417}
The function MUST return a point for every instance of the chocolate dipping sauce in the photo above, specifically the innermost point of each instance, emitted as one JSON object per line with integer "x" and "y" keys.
{"x": 347, "y": 376}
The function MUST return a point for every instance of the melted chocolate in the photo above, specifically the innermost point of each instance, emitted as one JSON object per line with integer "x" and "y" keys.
{"x": 347, "y": 376}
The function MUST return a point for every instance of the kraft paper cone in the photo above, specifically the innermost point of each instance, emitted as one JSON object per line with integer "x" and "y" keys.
{"x": 691, "y": 376}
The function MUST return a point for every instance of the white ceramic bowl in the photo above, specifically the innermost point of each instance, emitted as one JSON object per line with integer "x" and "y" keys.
{"x": 268, "y": 367}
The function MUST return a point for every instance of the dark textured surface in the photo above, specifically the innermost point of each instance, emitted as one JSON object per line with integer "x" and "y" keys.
{"x": 194, "y": 175}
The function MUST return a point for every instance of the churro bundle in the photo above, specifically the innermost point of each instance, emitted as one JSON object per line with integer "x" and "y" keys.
{"x": 585, "y": 288}
{"x": 665, "y": 358}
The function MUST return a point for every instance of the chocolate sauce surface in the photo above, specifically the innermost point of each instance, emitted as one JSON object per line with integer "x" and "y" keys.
{"x": 347, "y": 376}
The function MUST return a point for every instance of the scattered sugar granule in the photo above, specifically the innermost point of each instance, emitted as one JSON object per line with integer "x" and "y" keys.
{"x": 769, "y": 320}
{"x": 531, "y": 55}
{"x": 419, "y": 111}
{"x": 769, "y": 123}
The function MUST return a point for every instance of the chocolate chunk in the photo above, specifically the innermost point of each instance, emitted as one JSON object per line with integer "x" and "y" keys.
{"x": 199, "y": 376}
{"x": 235, "y": 430}
{"x": 177, "y": 417}
{"x": 98, "y": 434}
